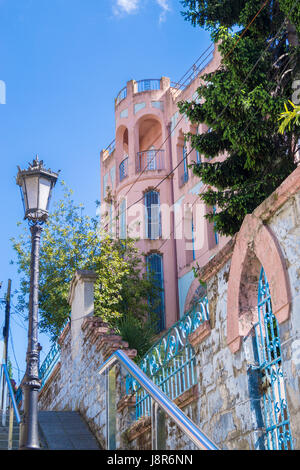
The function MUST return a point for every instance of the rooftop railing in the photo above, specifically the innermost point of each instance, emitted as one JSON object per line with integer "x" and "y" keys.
{"x": 148, "y": 84}
{"x": 121, "y": 95}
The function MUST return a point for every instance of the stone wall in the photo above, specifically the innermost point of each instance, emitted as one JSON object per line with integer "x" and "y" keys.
{"x": 226, "y": 403}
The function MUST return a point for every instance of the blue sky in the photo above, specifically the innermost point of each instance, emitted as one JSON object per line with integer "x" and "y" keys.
{"x": 63, "y": 63}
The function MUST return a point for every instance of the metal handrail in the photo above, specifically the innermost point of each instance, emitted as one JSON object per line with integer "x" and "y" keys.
{"x": 160, "y": 399}
{"x": 6, "y": 392}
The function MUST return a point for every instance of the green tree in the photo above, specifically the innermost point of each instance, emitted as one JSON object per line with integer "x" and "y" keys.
{"x": 71, "y": 240}
{"x": 241, "y": 102}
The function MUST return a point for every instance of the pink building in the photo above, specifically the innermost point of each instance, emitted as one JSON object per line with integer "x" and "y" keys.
{"x": 148, "y": 191}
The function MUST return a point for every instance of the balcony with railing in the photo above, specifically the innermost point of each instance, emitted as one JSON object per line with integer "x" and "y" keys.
{"x": 123, "y": 169}
{"x": 121, "y": 95}
{"x": 150, "y": 160}
{"x": 147, "y": 84}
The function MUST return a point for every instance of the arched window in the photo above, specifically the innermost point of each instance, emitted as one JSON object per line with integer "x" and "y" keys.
{"x": 276, "y": 413}
{"x": 154, "y": 263}
{"x": 152, "y": 215}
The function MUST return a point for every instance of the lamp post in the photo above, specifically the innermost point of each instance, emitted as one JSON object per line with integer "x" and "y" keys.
{"x": 36, "y": 185}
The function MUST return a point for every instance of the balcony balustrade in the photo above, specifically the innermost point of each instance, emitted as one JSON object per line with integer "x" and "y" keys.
{"x": 151, "y": 160}
{"x": 121, "y": 95}
{"x": 123, "y": 169}
{"x": 148, "y": 84}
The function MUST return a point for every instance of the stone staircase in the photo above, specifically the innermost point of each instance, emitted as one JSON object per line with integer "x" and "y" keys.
{"x": 58, "y": 430}
{"x": 65, "y": 430}
{"x": 4, "y": 436}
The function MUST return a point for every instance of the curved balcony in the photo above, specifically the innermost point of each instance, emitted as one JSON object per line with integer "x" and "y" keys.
{"x": 121, "y": 95}
{"x": 147, "y": 84}
{"x": 123, "y": 169}
{"x": 150, "y": 160}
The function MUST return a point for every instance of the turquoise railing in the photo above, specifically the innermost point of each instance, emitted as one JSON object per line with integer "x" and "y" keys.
{"x": 49, "y": 362}
{"x": 8, "y": 405}
{"x": 278, "y": 434}
{"x": 51, "y": 359}
{"x": 170, "y": 363}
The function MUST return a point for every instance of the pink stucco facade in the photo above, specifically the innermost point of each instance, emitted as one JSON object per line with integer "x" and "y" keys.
{"x": 148, "y": 155}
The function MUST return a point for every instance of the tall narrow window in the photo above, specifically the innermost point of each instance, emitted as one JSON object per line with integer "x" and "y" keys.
{"x": 123, "y": 230}
{"x": 155, "y": 266}
{"x": 152, "y": 215}
{"x": 185, "y": 165}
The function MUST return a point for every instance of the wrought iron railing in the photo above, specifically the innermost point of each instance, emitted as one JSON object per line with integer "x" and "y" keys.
{"x": 121, "y": 95}
{"x": 148, "y": 84}
{"x": 278, "y": 434}
{"x": 51, "y": 359}
{"x": 171, "y": 362}
{"x": 48, "y": 364}
{"x": 111, "y": 147}
{"x": 123, "y": 169}
{"x": 150, "y": 160}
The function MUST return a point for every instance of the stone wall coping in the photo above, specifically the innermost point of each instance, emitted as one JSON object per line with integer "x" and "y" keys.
{"x": 187, "y": 397}
{"x": 217, "y": 262}
{"x": 138, "y": 428}
{"x": 80, "y": 275}
{"x": 200, "y": 334}
{"x": 126, "y": 401}
{"x": 64, "y": 333}
{"x": 288, "y": 188}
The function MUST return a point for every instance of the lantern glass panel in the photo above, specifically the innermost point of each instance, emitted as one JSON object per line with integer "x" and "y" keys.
{"x": 45, "y": 188}
{"x": 32, "y": 191}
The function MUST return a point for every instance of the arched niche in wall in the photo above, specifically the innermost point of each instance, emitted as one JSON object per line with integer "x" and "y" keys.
{"x": 150, "y": 132}
{"x": 151, "y": 154}
{"x": 255, "y": 246}
{"x": 122, "y": 140}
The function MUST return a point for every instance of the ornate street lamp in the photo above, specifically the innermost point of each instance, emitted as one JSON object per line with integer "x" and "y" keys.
{"x": 36, "y": 185}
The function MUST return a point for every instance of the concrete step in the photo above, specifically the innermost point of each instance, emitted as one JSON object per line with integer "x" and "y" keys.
{"x": 65, "y": 430}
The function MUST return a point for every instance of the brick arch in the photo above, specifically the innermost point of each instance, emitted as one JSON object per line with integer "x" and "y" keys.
{"x": 255, "y": 242}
